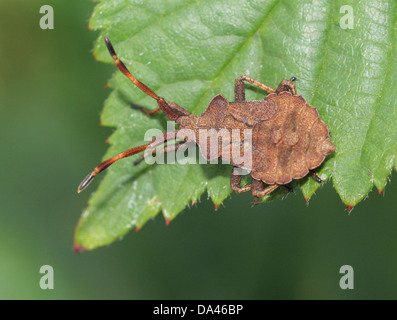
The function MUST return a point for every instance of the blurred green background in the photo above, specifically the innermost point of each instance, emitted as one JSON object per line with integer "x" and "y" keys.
{"x": 51, "y": 95}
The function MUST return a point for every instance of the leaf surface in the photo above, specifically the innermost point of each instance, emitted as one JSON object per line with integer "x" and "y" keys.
{"x": 189, "y": 51}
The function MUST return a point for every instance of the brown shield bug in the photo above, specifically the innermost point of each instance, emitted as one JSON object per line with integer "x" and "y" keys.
{"x": 288, "y": 140}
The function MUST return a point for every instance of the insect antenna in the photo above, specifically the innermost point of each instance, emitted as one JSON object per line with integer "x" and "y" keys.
{"x": 87, "y": 180}
{"x": 172, "y": 114}
{"x": 124, "y": 70}
{"x": 153, "y": 144}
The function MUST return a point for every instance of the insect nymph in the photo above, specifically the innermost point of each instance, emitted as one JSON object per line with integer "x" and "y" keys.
{"x": 288, "y": 138}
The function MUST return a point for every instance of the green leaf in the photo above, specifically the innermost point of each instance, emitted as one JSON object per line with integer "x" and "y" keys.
{"x": 189, "y": 51}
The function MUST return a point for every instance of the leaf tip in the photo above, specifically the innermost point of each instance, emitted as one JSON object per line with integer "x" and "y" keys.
{"x": 216, "y": 207}
{"x": 380, "y": 192}
{"x": 167, "y": 221}
{"x": 349, "y": 208}
{"x": 78, "y": 248}
{"x": 137, "y": 228}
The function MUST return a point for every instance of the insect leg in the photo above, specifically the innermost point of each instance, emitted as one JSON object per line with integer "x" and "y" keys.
{"x": 258, "y": 191}
{"x": 235, "y": 181}
{"x": 239, "y": 89}
{"x": 287, "y": 188}
{"x": 145, "y": 111}
{"x": 154, "y": 143}
{"x": 316, "y": 177}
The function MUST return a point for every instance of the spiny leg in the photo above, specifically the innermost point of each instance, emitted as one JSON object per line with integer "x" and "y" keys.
{"x": 239, "y": 89}
{"x": 235, "y": 183}
{"x": 315, "y": 176}
{"x": 258, "y": 191}
{"x": 165, "y": 149}
{"x": 287, "y": 85}
{"x": 154, "y": 143}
